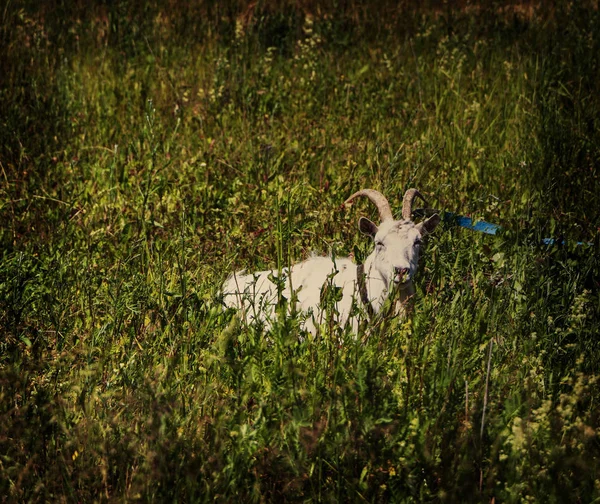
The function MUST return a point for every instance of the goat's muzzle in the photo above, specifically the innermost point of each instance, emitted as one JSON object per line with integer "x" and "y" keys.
{"x": 401, "y": 276}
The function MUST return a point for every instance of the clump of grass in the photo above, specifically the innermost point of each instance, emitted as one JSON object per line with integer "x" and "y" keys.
{"x": 147, "y": 152}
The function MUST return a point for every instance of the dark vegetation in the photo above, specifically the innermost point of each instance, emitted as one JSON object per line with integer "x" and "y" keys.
{"x": 147, "y": 149}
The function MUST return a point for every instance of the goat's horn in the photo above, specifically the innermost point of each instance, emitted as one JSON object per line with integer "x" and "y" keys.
{"x": 385, "y": 212}
{"x": 407, "y": 202}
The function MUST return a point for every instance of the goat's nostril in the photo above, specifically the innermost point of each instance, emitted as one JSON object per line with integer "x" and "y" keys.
{"x": 401, "y": 272}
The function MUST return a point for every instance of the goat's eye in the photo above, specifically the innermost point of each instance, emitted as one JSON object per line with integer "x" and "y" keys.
{"x": 379, "y": 244}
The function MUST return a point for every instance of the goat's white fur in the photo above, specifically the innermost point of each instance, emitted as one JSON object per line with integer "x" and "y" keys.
{"x": 390, "y": 267}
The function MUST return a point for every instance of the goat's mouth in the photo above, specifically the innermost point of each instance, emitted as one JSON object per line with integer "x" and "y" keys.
{"x": 402, "y": 282}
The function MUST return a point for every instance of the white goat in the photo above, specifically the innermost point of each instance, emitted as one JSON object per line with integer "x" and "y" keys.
{"x": 389, "y": 268}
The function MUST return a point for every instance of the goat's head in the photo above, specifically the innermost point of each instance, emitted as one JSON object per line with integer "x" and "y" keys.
{"x": 397, "y": 242}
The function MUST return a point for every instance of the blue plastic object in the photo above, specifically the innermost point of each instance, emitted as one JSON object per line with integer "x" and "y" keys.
{"x": 492, "y": 229}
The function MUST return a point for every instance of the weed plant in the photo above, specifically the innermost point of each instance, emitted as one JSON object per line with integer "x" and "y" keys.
{"x": 148, "y": 149}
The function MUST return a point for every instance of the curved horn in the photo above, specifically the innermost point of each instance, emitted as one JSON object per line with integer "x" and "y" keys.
{"x": 407, "y": 202}
{"x": 385, "y": 212}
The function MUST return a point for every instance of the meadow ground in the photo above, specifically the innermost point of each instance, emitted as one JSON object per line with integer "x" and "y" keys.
{"x": 147, "y": 150}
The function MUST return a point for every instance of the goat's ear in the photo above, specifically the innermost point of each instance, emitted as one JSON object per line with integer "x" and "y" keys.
{"x": 428, "y": 225}
{"x": 367, "y": 227}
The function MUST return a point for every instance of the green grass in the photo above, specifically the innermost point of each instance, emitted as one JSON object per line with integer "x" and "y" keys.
{"x": 146, "y": 152}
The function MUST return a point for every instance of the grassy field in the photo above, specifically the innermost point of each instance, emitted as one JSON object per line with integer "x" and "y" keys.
{"x": 148, "y": 150}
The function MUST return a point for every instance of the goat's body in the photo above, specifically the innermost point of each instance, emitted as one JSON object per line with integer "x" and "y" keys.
{"x": 389, "y": 269}
{"x": 256, "y": 296}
